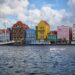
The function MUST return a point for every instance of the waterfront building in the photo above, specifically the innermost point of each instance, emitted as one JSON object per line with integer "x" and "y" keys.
{"x": 42, "y": 30}
{"x": 30, "y": 36}
{"x": 64, "y": 33}
{"x": 73, "y": 34}
{"x": 52, "y": 37}
{"x": 4, "y": 35}
{"x": 18, "y": 32}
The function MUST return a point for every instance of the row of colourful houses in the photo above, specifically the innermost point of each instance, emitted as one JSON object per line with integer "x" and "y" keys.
{"x": 22, "y": 34}
{"x": 63, "y": 34}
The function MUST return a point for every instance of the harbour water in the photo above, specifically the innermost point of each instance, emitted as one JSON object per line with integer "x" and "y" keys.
{"x": 37, "y": 60}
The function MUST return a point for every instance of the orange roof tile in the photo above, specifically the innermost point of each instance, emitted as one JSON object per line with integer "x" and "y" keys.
{"x": 19, "y": 23}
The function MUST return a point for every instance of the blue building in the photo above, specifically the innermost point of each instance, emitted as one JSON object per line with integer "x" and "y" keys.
{"x": 30, "y": 36}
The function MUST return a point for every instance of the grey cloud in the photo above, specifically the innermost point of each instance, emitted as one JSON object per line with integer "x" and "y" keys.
{"x": 2, "y": 2}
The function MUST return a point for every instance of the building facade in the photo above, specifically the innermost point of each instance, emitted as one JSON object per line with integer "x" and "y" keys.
{"x": 18, "y": 32}
{"x": 73, "y": 34}
{"x": 52, "y": 37}
{"x": 64, "y": 33}
{"x": 4, "y": 35}
{"x": 42, "y": 29}
{"x": 30, "y": 36}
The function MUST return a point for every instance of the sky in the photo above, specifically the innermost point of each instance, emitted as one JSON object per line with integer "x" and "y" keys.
{"x": 30, "y": 12}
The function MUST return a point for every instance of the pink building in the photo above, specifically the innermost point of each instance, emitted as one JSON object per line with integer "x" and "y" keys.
{"x": 64, "y": 32}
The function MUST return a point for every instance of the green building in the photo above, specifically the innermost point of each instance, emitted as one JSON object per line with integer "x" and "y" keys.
{"x": 52, "y": 38}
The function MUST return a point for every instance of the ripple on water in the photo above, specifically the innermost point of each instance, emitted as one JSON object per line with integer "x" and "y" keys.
{"x": 37, "y": 60}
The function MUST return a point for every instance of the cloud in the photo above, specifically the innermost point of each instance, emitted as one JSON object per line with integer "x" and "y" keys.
{"x": 71, "y": 3}
{"x": 52, "y": 16}
{"x": 15, "y": 7}
{"x": 33, "y": 15}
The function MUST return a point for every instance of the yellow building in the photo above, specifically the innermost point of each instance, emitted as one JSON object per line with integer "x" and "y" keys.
{"x": 42, "y": 30}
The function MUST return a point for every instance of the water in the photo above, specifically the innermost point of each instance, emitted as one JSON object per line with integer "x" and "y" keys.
{"x": 37, "y": 60}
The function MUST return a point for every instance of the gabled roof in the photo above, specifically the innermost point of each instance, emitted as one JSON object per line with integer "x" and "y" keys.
{"x": 45, "y": 23}
{"x": 19, "y": 23}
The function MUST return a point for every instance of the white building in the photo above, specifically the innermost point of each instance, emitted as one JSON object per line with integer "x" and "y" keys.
{"x": 73, "y": 34}
{"x": 4, "y": 36}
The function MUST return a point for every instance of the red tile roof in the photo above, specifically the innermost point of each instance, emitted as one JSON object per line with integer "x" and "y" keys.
{"x": 19, "y": 23}
{"x": 53, "y": 32}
